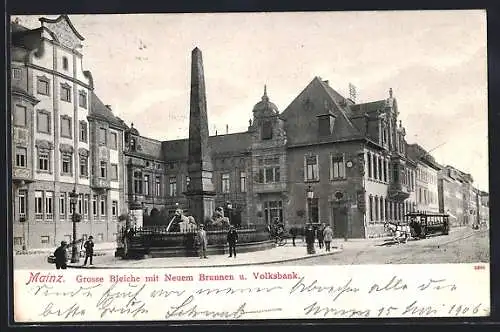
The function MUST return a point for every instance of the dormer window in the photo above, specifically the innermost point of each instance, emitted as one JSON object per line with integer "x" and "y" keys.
{"x": 132, "y": 144}
{"x": 325, "y": 124}
{"x": 267, "y": 130}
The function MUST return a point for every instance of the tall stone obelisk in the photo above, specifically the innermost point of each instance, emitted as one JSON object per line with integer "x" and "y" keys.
{"x": 200, "y": 193}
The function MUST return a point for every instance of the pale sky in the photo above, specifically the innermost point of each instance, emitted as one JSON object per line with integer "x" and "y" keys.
{"x": 435, "y": 62}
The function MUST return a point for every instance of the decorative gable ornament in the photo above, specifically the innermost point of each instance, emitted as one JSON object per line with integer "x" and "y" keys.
{"x": 63, "y": 31}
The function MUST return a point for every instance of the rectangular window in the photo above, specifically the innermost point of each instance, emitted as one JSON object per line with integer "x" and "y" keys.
{"x": 18, "y": 240}
{"x": 48, "y": 205}
{"x": 146, "y": 185}
{"x": 375, "y": 170}
{"x": 65, "y": 92}
{"x": 38, "y": 205}
{"x": 66, "y": 164}
{"x": 158, "y": 186}
{"x": 102, "y": 136}
{"x": 83, "y": 131}
{"x": 114, "y": 172}
{"x": 267, "y": 130}
{"x": 103, "y": 169}
{"x": 114, "y": 209}
{"x": 82, "y": 99}
{"x": 43, "y": 160}
{"x": 66, "y": 126}
{"x": 21, "y": 157}
{"x": 84, "y": 168}
{"x": 65, "y": 63}
{"x": 43, "y": 122}
{"x": 44, "y": 239}
{"x": 113, "y": 140}
{"x": 86, "y": 205}
{"x": 16, "y": 73}
{"x": 225, "y": 183}
{"x": 23, "y": 203}
{"x": 370, "y": 205}
{"x": 137, "y": 182}
{"x": 103, "y": 206}
{"x": 243, "y": 182}
{"x": 20, "y": 116}
{"x": 369, "y": 166}
{"x": 94, "y": 205}
{"x": 62, "y": 206}
{"x": 312, "y": 173}
{"x": 43, "y": 86}
{"x": 338, "y": 167}
{"x": 380, "y": 169}
{"x": 385, "y": 171}
{"x": 172, "y": 186}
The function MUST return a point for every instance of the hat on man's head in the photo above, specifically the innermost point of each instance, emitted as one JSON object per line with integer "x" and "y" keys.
{"x": 63, "y": 243}
{"x": 91, "y": 237}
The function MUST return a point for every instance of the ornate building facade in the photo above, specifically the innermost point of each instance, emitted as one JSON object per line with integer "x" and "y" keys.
{"x": 63, "y": 139}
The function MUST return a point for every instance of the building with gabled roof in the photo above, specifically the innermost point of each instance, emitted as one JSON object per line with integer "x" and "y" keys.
{"x": 64, "y": 139}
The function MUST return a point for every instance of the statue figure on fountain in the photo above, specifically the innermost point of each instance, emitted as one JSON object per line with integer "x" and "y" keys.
{"x": 181, "y": 223}
{"x": 218, "y": 218}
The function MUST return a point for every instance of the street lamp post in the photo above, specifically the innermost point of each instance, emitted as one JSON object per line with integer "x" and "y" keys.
{"x": 22, "y": 220}
{"x": 310, "y": 196}
{"x": 74, "y": 250}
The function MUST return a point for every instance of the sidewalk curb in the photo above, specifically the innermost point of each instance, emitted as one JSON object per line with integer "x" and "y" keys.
{"x": 212, "y": 266}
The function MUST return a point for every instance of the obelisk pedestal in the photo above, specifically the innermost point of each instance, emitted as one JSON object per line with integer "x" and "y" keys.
{"x": 200, "y": 193}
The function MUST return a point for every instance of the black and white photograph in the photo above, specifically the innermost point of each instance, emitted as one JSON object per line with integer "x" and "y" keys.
{"x": 212, "y": 142}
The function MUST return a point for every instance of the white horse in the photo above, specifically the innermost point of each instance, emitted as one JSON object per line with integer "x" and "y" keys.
{"x": 400, "y": 233}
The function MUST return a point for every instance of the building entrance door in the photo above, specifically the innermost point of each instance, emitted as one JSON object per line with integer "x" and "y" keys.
{"x": 339, "y": 216}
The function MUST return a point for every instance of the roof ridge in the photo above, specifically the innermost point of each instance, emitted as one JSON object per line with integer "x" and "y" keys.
{"x": 349, "y": 122}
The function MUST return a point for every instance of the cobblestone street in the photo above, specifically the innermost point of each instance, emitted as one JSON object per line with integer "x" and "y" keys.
{"x": 462, "y": 245}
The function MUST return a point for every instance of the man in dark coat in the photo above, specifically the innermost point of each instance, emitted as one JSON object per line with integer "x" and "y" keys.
{"x": 293, "y": 233}
{"x": 61, "y": 256}
{"x": 232, "y": 238}
{"x": 89, "y": 250}
{"x": 310, "y": 239}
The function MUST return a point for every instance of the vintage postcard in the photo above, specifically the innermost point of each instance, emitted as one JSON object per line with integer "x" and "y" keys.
{"x": 235, "y": 166}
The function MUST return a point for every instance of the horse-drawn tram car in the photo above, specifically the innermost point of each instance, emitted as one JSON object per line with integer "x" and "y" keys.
{"x": 423, "y": 224}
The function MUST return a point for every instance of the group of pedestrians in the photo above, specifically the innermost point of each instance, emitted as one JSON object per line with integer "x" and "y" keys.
{"x": 202, "y": 241}
{"x": 324, "y": 235}
{"x": 61, "y": 253}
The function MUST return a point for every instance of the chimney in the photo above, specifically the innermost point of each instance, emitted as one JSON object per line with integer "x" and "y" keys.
{"x": 227, "y": 129}
{"x": 108, "y": 107}
{"x": 326, "y": 82}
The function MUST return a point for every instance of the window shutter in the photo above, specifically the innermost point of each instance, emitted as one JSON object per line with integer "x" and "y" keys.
{"x": 331, "y": 166}
{"x": 305, "y": 168}
{"x": 317, "y": 163}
